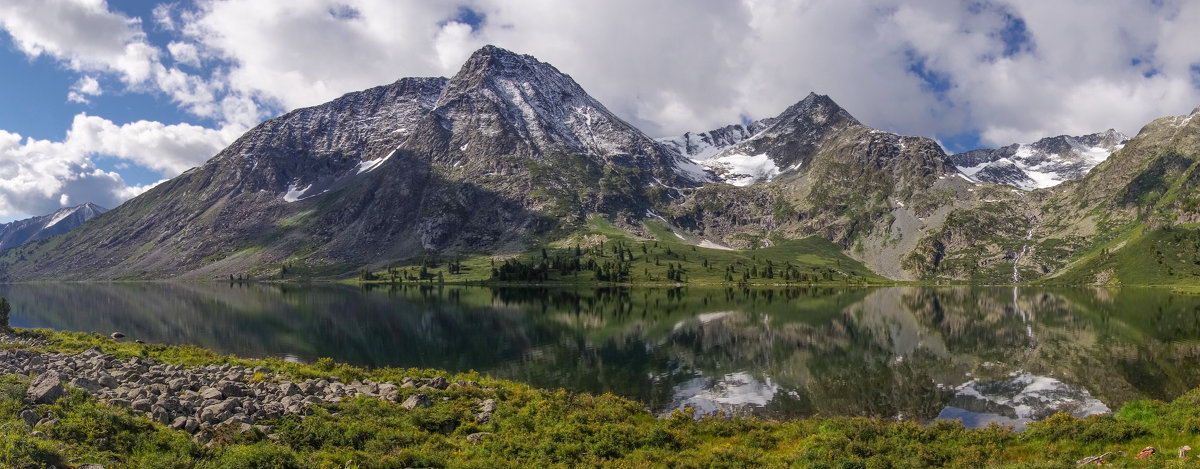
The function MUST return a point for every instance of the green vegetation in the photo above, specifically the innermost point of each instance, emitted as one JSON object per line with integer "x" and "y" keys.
{"x": 605, "y": 254}
{"x": 5, "y": 308}
{"x": 1165, "y": 256}
{"x": 554, "y": 428}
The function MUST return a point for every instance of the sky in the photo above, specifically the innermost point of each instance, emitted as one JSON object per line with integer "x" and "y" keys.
{"x": 100, "y": 100}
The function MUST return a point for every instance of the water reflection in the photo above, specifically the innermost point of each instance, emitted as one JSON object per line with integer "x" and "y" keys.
{"x": 979, "y": 354}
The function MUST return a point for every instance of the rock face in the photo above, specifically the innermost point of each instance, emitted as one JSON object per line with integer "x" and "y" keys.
{"x": 19, "y": 232}
{"x": 1044, "y": 163}
{"x": 816, "y": 170}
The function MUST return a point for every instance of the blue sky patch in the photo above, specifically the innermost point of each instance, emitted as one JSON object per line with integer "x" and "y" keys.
{"x": 933, "y": 81}
{"x": 959, "y": 143}
{"x": 1015, "y": 37}
{"x": 469, "y": 17}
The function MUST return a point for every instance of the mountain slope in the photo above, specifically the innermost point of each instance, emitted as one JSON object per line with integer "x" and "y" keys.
{"x": 1041, "y": 164}
{"x": 506, "y": 151}
{"x": 510, "y": 155}
{"x": 871, "y": 192}
{"x": 1132, "y": 219}
{"x": 1135, "y": 219}
{"x": 702, "y": 146}
{"x": 19, "y": 232}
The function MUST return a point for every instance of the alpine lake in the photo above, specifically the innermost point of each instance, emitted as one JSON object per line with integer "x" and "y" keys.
{"x": 979, "y": 354}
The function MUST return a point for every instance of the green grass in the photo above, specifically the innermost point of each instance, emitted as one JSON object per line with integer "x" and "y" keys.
{"x": 649, "y": 261}
{"x": 1166, "y": 256}
{"x": 555, "y": 428}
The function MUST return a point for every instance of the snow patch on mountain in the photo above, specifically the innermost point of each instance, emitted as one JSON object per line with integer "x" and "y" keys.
{"x": 19, "y": 232}
{"x": 369, "y": 165}
{"x": 743, "y": 170}
{"x": 692, "y": 170}
{"x": 1045, "y": 163}
{"x": 698, "y": 150}
{"x": 295, "y": 193}
{"x": 60, "y": 215}
{"x": 711, "y": 245}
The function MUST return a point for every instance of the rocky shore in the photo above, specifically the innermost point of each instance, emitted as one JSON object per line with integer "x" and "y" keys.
{"x": 201, "y": 400}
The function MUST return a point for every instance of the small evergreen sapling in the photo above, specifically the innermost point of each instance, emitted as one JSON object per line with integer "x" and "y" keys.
{"x": 5, "y": 308}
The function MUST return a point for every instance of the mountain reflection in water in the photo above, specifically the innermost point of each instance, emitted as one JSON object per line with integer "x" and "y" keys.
{"x": 976, "y": 353}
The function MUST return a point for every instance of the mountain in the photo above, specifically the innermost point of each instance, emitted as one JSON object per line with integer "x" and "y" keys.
{"x": 506, "y": 151}
{"x": 700, "y": 147}
{"x": 823, "y": 173}
{"x": 1041, "y": 164}
{"x": 510, "y": 158}
{"x": 1130, "y": 220}
{"x": 19, "y": 232}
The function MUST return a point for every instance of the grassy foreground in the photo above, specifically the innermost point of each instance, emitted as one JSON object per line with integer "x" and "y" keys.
{"x": 555, "y": 428}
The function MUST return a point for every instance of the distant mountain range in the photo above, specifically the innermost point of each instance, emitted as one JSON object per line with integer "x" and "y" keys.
{"x": 511, "y": 154}
{"x": 19, "y": 232}
{"x": 1044, "y": 163}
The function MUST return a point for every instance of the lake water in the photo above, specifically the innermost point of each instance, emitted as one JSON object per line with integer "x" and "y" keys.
{"x": 974, "y": 353}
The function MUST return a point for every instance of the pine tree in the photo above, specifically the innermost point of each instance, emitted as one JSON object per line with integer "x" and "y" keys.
{"x": 5, "y": 308}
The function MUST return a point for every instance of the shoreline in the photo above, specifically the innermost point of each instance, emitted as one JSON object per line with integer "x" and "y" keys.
{"x": 447, "y": 427}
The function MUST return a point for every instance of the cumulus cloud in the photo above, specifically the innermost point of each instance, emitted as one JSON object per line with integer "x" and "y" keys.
{"x": 1004, "y": 70}
{"x": 184, "y": 53}
{"x": 168, "y": 149}
{"x": 86, "y": 86}
{"x": 87, "y": 36}
{"x": 163, "y": 15}
{"x": 1007, "y": 70}
{"x": 83, "y": 34}
{"x": 40, "y": 176}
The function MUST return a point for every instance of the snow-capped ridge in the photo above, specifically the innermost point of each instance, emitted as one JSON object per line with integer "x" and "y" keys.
{"x": 700, "y": 146}
{"x": 744, "y": 154}
{"x": 19, "y": 232}
{"x": 1041, "y": 164}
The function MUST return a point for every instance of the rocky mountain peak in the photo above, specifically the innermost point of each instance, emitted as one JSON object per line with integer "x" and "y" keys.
{"x": 504, "y": 72}
{"x": 1044, "y": 163}
{"x": 500, "y": 99}
{"x": 61, "y": 221}
{"x": 700, "y": 146}
{"x": 818, "y": 109}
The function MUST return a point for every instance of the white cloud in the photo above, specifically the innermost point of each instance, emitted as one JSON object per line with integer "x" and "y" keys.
{"x": 168, "y": 149}
{"x": 83, "y": 34}
{"x": 184, "y": 53}
{"x": 163, "y": 16}
{"x": 86, "y": 36}
{"x": 666, "y": 66}
{"x": 672, "y": 66}
{"x": 37, "y": 176}
{"x": 86, "y": 86}
{"x": 305, "y": 52}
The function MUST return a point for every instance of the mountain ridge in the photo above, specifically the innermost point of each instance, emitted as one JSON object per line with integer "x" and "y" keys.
{"x": 16, "y": 233}
{"x": 510, "y": 154}
{"x": 1041, "y": 164}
